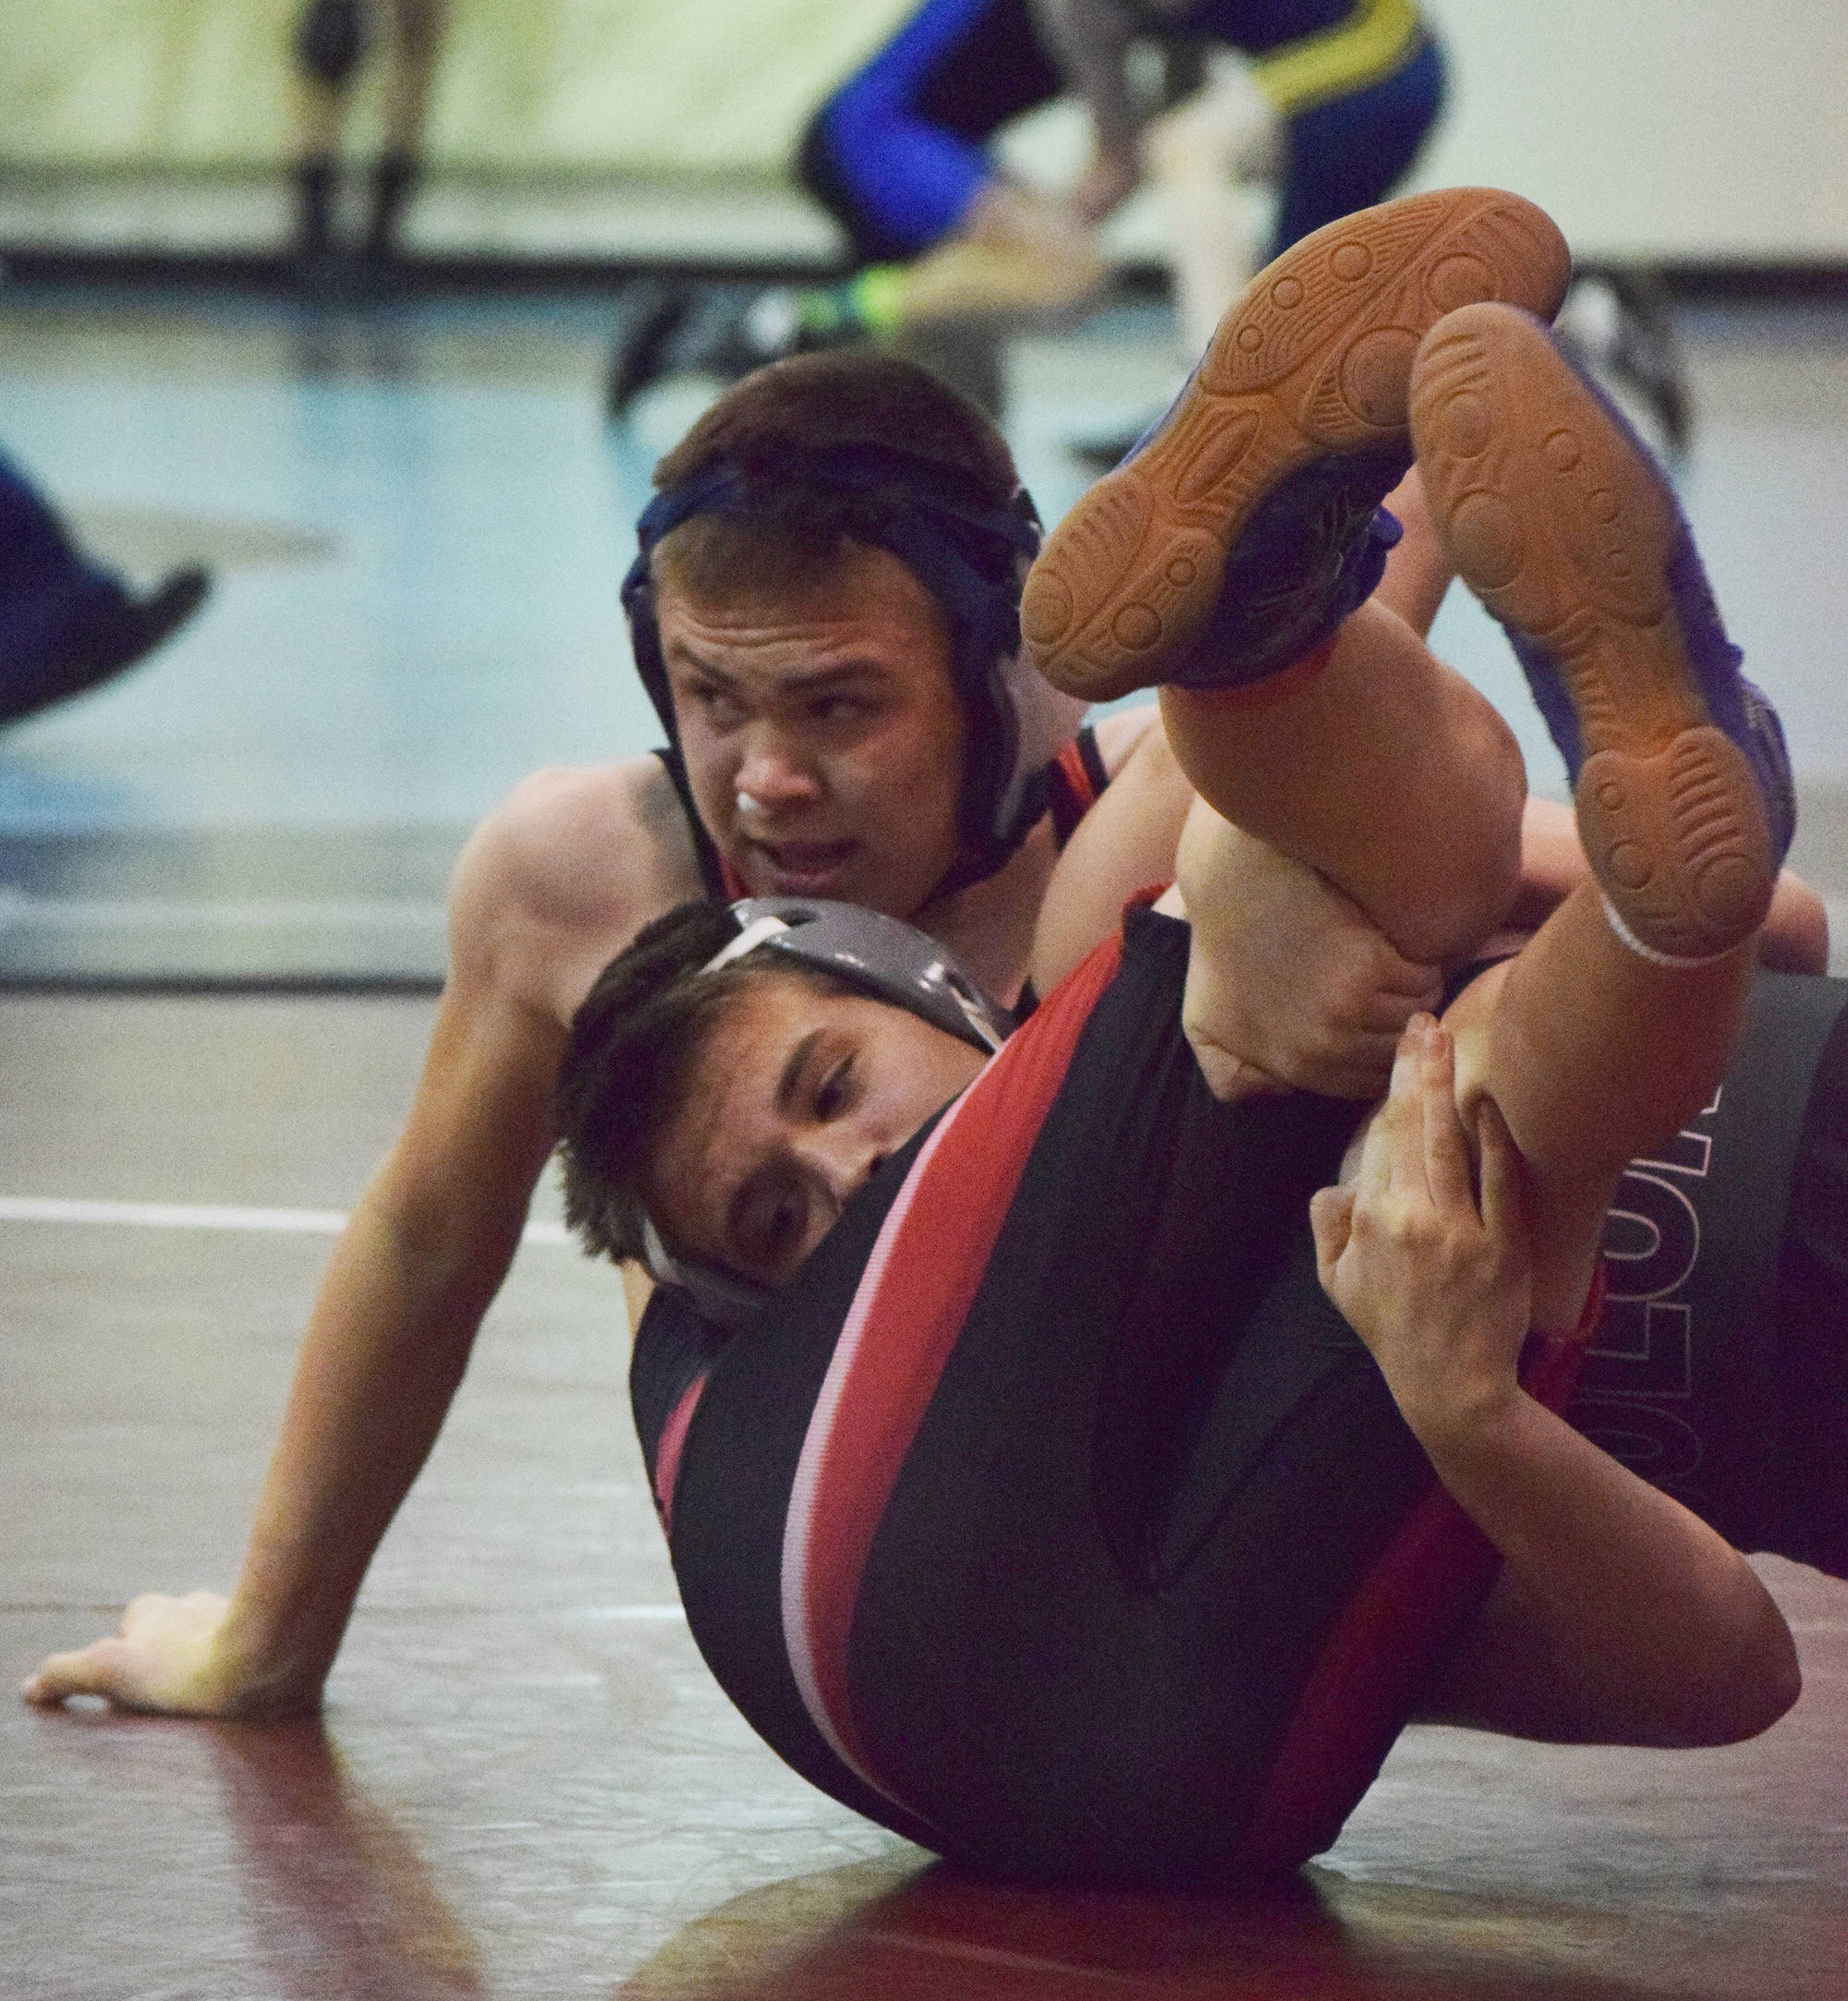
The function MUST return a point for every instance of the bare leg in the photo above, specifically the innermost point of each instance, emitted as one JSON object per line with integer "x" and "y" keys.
{"x": 1593, "y": 1053}
{"x": 1226, "y": 132}
{"x": 1384, "y": 770}
{"x": 414, "y": 48}
{"x": 1013, "y": 252}
{"x": 1615, "y": 1022}
{"x": 417, "y": 41}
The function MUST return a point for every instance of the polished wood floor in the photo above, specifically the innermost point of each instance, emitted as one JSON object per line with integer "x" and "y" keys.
{"x": 526, "y": 1785}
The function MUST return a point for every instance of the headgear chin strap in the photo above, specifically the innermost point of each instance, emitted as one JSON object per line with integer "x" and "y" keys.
{"x": 890, "y": 960}
{"x": 971, "y": 557}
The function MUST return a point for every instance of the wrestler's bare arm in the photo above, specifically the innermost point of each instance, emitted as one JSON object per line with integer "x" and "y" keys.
{"x": 1620, "y": 1617}
{"x": 552, "y": 884}
{"x": 1088, "y": 40}
{"x": 1796, "y": 934}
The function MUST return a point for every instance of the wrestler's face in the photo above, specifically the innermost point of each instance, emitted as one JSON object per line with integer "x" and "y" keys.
{"x": 823, "y": 735}
{"x": 793, "y": 1101}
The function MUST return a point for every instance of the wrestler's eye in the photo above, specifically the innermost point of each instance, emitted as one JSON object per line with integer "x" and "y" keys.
{"x": 775, "y": 1229}
{"x": 717, "y": 705}
{"x": 839, "y": 708}
{"x": 836, "y": 1089}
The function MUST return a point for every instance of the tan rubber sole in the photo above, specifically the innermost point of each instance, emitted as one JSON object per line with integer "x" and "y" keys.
{"x": 1312, "y": 361}
{"x": 1564, "y": 529}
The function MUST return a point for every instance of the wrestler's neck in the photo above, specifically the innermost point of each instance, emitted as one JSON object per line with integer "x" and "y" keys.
{"x": 989, "y": 925}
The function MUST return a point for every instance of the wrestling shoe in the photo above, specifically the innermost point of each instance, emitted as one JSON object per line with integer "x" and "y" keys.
{"x": 1558, "y": 518}
{"x": 1239, "y": 531}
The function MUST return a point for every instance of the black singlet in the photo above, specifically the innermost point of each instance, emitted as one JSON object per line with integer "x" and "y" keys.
{"x": 1027, "y": 1522}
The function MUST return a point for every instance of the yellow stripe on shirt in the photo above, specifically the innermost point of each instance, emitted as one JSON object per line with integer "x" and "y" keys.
{"x": 1375, "y": 39}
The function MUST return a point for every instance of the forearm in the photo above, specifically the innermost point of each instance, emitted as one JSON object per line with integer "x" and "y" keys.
{"x": 1624, "y": 1617}
{"x": 386, "y": 1347}
{"x": 1088, "y": 40}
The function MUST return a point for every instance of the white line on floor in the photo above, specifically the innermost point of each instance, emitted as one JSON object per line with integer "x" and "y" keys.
{"x": 18, "y": 910}
{"x": 204, "y": 1215}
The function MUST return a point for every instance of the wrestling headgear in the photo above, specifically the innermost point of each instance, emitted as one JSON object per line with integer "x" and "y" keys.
{"x": 889, "y": 960}
{"x": 970, "y": 556}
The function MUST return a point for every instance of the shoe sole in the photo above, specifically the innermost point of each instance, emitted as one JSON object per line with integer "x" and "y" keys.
{"x": 1564, "y": 530}
{"x": 1311, "y": 363}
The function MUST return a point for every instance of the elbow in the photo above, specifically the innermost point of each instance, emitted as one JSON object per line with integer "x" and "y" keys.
{"x": 1796, "y": 935}
{"x": 1760, "y": 1684}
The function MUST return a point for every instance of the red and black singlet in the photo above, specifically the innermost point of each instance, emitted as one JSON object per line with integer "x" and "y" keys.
{"x": 1028, "y": 1522}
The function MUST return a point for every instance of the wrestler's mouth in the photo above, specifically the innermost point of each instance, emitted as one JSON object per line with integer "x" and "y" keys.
{"x": 797, "y": 868}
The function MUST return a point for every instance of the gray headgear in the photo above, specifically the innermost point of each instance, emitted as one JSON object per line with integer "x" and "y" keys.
{"x": 892, "y": 962}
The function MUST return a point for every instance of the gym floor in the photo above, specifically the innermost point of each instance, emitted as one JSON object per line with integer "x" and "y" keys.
{"x": 220, "y": 917}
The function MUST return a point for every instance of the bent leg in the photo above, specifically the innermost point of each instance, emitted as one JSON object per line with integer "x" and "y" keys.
{"x": 1594, "y": 1053}
{"x": 1240, "y": 532}
{"x": 1615, "y": 1024}
{"x": 1382, "y": 770}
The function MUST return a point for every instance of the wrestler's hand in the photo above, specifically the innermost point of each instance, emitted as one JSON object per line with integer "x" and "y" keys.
{"x": 167, "y": 1656}
{"x": 1105, "y": 183}
{"x": 1440, "y": 1290}
{"x": 1289, "y": 983}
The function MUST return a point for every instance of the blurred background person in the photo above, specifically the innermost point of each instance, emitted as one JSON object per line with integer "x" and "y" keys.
{"x": 66, "y": 623}
{"x": 1332, "y": 107}
{"x": 333, "y": 39}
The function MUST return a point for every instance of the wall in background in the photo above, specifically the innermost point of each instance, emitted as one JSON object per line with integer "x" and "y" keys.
{"x": 1688, "y": 128}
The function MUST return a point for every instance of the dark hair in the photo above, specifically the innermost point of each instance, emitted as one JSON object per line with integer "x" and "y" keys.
{"x": 846, "y": 396}
{"x": 633, "y": 1042}
{"x": 769, "y": 424}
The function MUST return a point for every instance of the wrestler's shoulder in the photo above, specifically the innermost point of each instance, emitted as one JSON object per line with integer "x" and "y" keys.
{"x": 580, "y": 849}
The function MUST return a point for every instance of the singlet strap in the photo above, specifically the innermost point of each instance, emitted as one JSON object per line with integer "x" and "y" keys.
{"x": 714, "y": 876}
{"x": 1074, "y": 783}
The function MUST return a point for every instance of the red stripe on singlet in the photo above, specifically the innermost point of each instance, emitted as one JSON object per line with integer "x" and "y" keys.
{"x": 1077, "y": 777}
{"x": 670, "y": 1445}
{"x": 907, "y": 1313}
{"x": 1374, "y": 1662}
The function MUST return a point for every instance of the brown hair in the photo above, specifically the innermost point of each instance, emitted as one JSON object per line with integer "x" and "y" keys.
{"x": 846, "y": 396}
{"x": 792, "y": 541}
{"x": 632, "y": 1047}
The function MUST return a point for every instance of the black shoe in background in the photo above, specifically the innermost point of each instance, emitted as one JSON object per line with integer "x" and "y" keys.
{"x": 102, "y": 642}
{"x": 1618, "y": 322}
{"x": 656, "y": 310}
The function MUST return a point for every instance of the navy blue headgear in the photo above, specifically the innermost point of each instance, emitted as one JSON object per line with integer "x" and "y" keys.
{"x": 970, "y": 555}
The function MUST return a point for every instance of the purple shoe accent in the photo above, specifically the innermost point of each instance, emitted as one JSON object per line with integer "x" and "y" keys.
{"x": 1740, "y": 709}
{"x": 1312, "y": 551}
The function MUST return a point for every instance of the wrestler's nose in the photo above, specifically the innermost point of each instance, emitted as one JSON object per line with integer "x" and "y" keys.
{"x": 843, "y": 1157}
{"x": 774, "y": 773}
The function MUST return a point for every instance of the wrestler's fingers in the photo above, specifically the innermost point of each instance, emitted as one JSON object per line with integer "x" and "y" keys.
{"x": 1331, "y": 1223}
{"x": 1446, "y": 1145}
{"x": 1406, "y": 979}
{"x": 1385, "y": 1014}
{"x": 1400, "y": 1129}
{"x": 98, "y": 1670}
{"x": 1504, "y": 1181}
